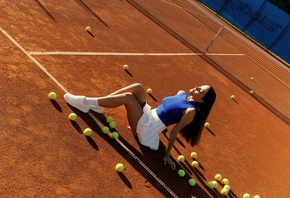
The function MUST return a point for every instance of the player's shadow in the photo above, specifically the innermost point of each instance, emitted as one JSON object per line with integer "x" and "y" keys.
{"x": 145, "y": 162}
{"x": 56, "y": 105}
{"x": 154, "y": 159}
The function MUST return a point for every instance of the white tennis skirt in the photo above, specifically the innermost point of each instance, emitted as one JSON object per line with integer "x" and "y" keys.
{"x": 149, "y": 127}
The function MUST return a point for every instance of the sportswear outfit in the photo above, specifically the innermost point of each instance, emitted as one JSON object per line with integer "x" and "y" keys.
{"x": 154, "y": 121}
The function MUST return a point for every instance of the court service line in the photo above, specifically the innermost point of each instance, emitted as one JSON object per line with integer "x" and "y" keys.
{"x": 128, "y": 54}
{"x": 33, "y": 59}
{"x": 93, "y": 117}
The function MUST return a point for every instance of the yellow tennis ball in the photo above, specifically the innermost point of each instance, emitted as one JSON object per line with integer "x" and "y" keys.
{"x": 227, "y": 187}
{"x": 72, "y": 116}
{"x": 181, "y": 158}
{"x": 88, "y": 28}
{"x": 207, "y": 125}
{"x": 194, "y": 164}
{"x": 52, "y": 95}
{"x": 224, "y": 191}
{"x": 115, "y": 135}
{"x": 210, "y": 185}
{"x": 233, "y": 97}
{"x": 193, "y": 155}
{"x": 246, "y": 195}
{"x": 120, "y": 167}
{"x": 181, "y": 173}
{"x": 112, "y": 124}
{"x": 149, "y": 90}
{"x": 218, "y": 177}
{"x": 105, "y": 129}
{"x": 88, "y": 132}
{"x": 225, "y": 181}
{"x": 251, "y": 92}
{"x": 191, "y": 182}
{"x": 109, "y": 119}
{"x": 126, "y": 67}
{"x": 215, "y": 184}
{"x": 257, "y": 196}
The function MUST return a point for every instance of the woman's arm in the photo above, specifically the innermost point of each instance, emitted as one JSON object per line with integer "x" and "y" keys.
{"x": 186, "y": 118}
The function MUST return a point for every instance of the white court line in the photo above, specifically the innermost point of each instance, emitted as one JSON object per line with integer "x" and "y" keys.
{"x": 33, "y": 59}
{"x": 128, "y": 54}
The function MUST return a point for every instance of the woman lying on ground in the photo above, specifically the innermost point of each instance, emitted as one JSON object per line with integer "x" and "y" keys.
{"x": 188, "y": 111}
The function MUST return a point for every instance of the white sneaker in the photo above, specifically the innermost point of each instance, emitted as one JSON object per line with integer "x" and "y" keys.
{"x": 97, "y": 109}
{"x": 77, "y": 102}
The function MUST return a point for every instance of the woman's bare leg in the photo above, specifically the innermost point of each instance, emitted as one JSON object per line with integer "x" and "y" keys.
{"x": 136, "y": 89}
{"x": 133, "y": 108}
{"x": 132, "y": 97}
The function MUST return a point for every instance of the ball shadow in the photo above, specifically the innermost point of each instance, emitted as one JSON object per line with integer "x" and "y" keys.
{"x": 125, "y": 180}
{"x": 56, "y": 105}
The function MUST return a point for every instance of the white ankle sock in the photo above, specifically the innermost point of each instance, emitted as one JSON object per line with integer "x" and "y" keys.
{"x": 91, "y": 101}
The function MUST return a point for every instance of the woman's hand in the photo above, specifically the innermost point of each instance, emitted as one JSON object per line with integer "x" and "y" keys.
{"x": 169, "y": 161}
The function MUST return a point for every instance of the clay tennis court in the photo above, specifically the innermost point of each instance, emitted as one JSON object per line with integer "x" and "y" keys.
{"x": 45, "y": 48}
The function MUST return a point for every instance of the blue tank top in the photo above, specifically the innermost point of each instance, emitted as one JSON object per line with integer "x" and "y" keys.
{"x": 172, "y": 107}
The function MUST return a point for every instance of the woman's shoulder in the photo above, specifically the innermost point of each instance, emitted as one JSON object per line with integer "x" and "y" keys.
{"x": 181, "y": 92}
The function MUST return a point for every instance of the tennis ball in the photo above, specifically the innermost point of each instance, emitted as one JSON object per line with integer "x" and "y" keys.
{"x": 52, "y": 95}
{"x": 210, "y": 185}
{"x": 193, "y": 155}
{"x": 115, "y": 135}
{"x": 233, "y": 97}
{"x": 88, "y": 132}
{"x": 218, "y": 177}
{"x": 227, "y": 187}
{"x": 224, "y": 191}
{"x": 149, "y": 90}
{"x": 252, "y": 78}
{"x": 215, "y": 184}
{"x": 225, "y": 181}
{"x": 181, "y": 158}
{"x": 207, "y": 125}
{"x": 119, "y": 167}
{"x": 109, "y": 119}
{"x": 126, "y": 67}
{"x": 251, "y": 92}
{"x": 105, "y": 129}
{"x": 181, "y": 173}
{"x": 112, "y": 124}
{"x": 72, "y": 116}
{"x": 257, "y": 196}
{"x": 194, "y": 164}
{"x": 88, "y": 28}
{"x": 191, "y": 182}
{"x": 246, "y": 195}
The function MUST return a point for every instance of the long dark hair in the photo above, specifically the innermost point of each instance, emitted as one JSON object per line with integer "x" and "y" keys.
{"x": 192, "y": 132}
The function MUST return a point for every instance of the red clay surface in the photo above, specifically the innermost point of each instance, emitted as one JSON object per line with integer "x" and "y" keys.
{"x": 43, "y": 154}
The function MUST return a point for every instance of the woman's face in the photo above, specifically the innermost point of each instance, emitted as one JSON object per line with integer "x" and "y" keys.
{"x": 197, "y": 93}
